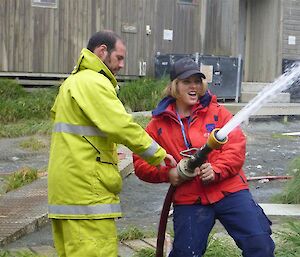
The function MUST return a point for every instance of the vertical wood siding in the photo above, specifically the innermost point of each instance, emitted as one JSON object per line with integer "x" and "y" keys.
{"x": 291, "y": 27}
{"x": 263, "y": 33}
{"x": 35, "y": 39}
{"x": 222, "y": 27}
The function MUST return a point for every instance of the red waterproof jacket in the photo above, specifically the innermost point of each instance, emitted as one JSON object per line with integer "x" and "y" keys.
{"x": 227, "y": 162}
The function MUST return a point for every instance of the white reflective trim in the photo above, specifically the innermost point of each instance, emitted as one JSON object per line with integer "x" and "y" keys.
{"x": 150, "y": 151}
{"x": 77, "y": 129}
{"x": 84, "y": 209}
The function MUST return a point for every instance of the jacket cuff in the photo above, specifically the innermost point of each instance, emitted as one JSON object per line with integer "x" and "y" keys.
{"x": 217, "y": 176}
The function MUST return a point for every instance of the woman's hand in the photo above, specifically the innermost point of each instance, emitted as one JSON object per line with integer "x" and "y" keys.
{"x": 206, "y": 173}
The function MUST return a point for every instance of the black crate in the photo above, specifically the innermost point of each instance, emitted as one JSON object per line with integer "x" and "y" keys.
{"x": 226, "y": 75}
{"x": 226, "y": 72}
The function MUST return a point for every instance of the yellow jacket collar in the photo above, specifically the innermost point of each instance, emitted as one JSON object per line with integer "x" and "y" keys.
{"x": 88, "y": 60}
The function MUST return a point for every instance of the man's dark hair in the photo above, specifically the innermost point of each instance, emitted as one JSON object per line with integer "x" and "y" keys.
{"x": 105, "y": 37}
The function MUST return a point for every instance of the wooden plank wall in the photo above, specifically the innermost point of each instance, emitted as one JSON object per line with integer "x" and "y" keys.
{"x": 35, "y": 39}
{"x": 222, "y": 28}
{"x": 291, "y": 27}
{"x": 262, "y": 59}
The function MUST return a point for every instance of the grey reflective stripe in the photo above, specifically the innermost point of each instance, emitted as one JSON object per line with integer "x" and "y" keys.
{"x": 79, "y": 130}
{"x": 150, "y": 151}
{"x": 84, "y": 209}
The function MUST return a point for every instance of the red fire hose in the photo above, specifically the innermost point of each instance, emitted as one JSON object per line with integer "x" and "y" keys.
{"x": 163, "y": 222}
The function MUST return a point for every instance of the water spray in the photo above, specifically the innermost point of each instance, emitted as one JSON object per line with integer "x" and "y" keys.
{"x": 282, "y": 83}
{"x": 217, "y": 138}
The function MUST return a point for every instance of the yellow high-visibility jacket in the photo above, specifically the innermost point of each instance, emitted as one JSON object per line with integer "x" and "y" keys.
{"x": 89, "y": 120}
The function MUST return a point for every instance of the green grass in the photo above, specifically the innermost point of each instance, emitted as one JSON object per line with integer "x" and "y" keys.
{"x": 19, "y": 254}
{"x": 35, "y": 105}
{"x": 221, "y": 247}
{"x": 10, "y": 89}
{"x": 145, "y": 252}
{"x": 279, "y": 135}
{"x": 288, "y": 240}
{"x": 20, "y": 178}
{"x": 26, "y": 128}
{"x": 142, "y": 94}
{"x": 133, "y": 233}
{"x": 33, "y": 144}
{"x": 23, "y": 113}
{"x": 290, "y": 193}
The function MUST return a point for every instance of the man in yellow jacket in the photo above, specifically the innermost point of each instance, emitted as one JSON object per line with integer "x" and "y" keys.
{"x": 83, "y": 176}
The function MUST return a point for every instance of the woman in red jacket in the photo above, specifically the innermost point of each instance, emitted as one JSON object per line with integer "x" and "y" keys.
{"x": 182, "y": 120}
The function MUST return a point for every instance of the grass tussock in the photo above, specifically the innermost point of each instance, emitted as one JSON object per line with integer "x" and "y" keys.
{"x": 25, "y": 253}
{"x": 288, "y": 240}
{"x": 33, "y": 144}
{"x": 25, "y": 128}
{"x": 20, "y": 178}
{"x": 133, "y": 233}
{"x": 279, "y": 135}
{"x": 16, "y": 104}
{"x": 10, "y": 89}
{"x": 145, "y": 252}
{"x": 23, "y": 113}
{"x": 142, "y": 94}
{"x": 221, "y": 247}
{"x": 290, "y": 193}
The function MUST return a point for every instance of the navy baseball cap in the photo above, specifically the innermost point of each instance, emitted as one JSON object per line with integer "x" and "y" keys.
{"x": 184, "y": 68}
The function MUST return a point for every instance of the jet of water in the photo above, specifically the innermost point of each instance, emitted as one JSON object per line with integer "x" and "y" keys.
{"x": 280, "y": 84}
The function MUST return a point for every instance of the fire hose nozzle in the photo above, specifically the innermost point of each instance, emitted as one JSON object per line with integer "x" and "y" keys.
{"x": 186, "y": 167}
{"x": 214, "y": 142}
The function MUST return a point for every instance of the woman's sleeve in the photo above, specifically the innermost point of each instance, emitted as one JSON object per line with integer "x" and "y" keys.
{"x": 229, "y": 160}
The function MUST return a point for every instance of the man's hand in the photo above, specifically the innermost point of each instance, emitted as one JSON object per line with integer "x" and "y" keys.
{"x": 170, "y": 159}
{"x": 174, "y": 177}
{"x": 206, "y": 173}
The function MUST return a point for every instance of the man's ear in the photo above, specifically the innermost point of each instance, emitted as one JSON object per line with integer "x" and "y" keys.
{"x": 101, "y": 51}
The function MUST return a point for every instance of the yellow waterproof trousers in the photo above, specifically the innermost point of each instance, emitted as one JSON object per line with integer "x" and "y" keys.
{"x": 85, "y": 238}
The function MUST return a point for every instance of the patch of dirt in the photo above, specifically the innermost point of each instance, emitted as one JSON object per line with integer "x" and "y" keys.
{"x": 14, "y": 157}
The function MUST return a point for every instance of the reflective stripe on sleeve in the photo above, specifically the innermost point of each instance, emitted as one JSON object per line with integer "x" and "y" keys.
{"x": 84, "y": 209}
{"x": 150, "y": 151}
{"x": 77, "y": 129}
